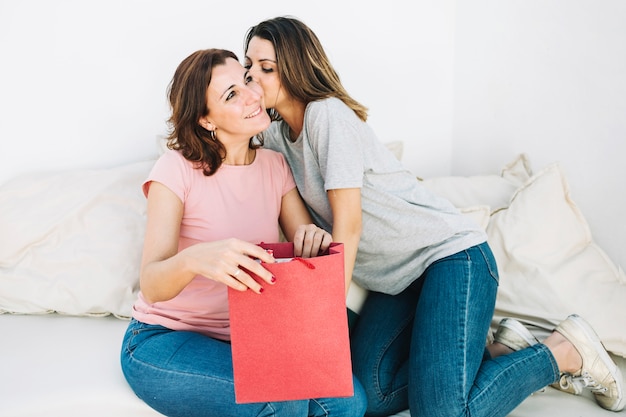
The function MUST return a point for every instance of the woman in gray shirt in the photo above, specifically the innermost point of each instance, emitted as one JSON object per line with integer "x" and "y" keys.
{"x": 420, "y": 340}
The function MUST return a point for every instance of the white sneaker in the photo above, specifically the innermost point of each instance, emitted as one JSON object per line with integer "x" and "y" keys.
{"x": 514, "y": 335}
{"x": 571, "y": 384}
{"x": 598, "y": 373}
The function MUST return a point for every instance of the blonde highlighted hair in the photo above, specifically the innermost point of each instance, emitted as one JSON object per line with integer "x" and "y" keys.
{"x": 304, "y": 69}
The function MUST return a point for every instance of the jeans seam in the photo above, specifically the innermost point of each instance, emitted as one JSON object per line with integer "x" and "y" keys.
{"x": 321, "y": 406}
{"x": 539, "y": 348}
{"x": 494, "y": 273}
{"x": 392, "y": 393}
{"x": 466, "y": 289}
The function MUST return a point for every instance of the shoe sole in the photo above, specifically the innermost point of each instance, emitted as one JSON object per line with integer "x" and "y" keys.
{"x": 604, "y": 357}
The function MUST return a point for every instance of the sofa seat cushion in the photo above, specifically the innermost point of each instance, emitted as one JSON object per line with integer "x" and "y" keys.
{"x": 62, "y": 366}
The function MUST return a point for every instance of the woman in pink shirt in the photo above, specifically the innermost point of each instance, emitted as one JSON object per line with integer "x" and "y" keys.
{"x": 212, "y": 197}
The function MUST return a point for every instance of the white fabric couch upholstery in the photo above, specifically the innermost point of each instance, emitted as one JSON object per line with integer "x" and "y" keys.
{"x": 64, "y": 366}
{"x": 69, "y": 255}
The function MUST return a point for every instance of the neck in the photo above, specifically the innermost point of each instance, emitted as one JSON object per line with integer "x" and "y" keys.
{"x": 240, "y": 157}
{"x": 293, "y": 115}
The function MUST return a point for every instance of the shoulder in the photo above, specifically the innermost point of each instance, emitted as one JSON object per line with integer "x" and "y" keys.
{"x": 268, "y": 154}
{"x": 271, "y": 158}
{"x": 275, "y": 168}
{"x": 172, "y": 162}
{"x": 330, "y": 111}
{"x": 170, "y": 169}
{"x": 274, "y": 133}
{"x": 274, "y": 130}
{"x": 173, "y": 157}
{"x": 329, "y": 106}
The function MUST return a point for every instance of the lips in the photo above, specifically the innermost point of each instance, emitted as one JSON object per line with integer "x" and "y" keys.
{"x": 254, "y": 113}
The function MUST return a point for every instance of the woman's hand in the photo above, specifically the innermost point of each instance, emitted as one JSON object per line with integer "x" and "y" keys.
{"x": 310, "y": 240}
{"x": 229, "y": 261}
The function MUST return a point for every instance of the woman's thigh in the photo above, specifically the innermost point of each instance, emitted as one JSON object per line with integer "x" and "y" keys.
{"x": 187, "y": 374}
{"x": 452, "y": 319}
{"x": 380, "y": 350}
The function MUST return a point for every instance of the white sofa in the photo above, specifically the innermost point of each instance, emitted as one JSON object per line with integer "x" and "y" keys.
{"x": 69, "y": 254}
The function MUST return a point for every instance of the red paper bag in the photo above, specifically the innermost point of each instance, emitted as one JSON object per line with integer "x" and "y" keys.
{"x": 291, "y": 342}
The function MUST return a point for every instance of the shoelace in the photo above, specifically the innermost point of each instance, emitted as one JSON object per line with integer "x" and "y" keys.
{"x": 579, "y": 382}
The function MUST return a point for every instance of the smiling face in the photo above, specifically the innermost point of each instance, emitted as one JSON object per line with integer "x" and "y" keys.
{"x": 261, "y": 63}
{"x": 235, "y": 102}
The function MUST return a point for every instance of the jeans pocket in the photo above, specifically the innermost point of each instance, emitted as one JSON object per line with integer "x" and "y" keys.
{"x": 138, "y": 333}
{"x": 490, "y": 260}
{"x": 130, "y": 341}
{"x": 135, "y": 334}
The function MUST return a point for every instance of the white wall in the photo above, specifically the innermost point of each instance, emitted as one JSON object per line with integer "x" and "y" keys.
{"x": 83, "y": 83}
{"x": 466, "y": 84}
{"x": 547, "y": 78}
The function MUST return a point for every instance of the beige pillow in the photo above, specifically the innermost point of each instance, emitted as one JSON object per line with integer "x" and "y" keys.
{"x": 396, "y": 147}
{"x": 491, "y": 190}
{"x": 550, "y": 266}
{"x": 71, "y": 242}
{"x": 480, "y": 214}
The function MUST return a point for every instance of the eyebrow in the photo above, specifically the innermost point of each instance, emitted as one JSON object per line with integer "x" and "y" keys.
{"x": 227, "y": 90}
{"x": 262, "y": 60}
{"x": 245, "y": 75}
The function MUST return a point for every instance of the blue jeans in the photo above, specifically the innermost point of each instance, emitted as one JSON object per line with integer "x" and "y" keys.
{"x": 187, "y": 374}
{"x": 424, "y": 349}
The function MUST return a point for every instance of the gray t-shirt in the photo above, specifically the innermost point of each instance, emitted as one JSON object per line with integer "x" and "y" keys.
{"x": 405, "y": 226}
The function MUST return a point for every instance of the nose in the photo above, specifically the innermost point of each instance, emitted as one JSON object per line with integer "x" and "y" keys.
{"x": 252, "y": 71}
{"x": 253, "y": 93}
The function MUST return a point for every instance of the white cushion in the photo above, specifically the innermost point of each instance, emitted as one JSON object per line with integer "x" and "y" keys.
{"x": 396, "y": 147}
{"x": 480, "y": 214}
{"x": 491, "y": 190}
{"x": 71, "y": 242}
{"x": 550, "y": 266}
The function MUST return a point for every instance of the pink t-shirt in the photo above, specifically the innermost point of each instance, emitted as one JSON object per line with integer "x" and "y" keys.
{"x": 240, "y": 201}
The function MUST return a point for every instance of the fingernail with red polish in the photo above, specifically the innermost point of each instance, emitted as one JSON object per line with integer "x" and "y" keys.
{"x": 273, "y": 280}
{"x": 261, "y": 290}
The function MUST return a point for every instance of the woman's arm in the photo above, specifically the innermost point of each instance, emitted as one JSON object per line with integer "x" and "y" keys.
{"x": 297, "y": 226}
{"x": 347, "y": 224}
{"x": 165, "y": 271}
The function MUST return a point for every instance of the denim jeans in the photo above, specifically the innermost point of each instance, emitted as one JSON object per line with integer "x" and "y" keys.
{"x": 424, "y": 349}
{"x": 187, "y": 374}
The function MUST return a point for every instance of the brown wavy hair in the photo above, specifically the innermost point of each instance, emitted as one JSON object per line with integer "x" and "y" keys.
{"x": 187, "y": 94}
{"x": 303, "y": 67}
